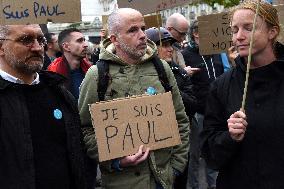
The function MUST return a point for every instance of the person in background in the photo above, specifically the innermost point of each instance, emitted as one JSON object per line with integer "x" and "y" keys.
{"x": 178, "y": 26}
{"x": 95, "y": 55}
{"x": 73, "y": 63}
{"x": 165, "y": 52}
{"x": 203, "y": 70}
{"x": 226, "y": 63}
{"x": 90, "y": 51}
{"x": 247, "y": 145}
{"x": 51, "y": 48}
{"x": 40, "y": 135}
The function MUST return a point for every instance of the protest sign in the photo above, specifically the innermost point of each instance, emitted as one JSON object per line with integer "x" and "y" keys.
{"x": 280, "y": 9}
{"x": 150, "y": 6}
{"x": 276, "y": 2}
{"x": 39, "y": 11}
{"x": 122, "y": 125}
{"x": 153, "y": 21}
{"x": 214, "y": 33}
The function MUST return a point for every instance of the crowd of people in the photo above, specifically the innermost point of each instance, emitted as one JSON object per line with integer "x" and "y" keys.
{"x": 48, "y": 81}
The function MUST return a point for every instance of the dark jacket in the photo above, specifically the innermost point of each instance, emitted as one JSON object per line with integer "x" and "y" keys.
{"x": 211, "y": 68}
{"x": 17, "y": 169}
{"x": 257, "y": 162}
{"x": 185, "y": 88}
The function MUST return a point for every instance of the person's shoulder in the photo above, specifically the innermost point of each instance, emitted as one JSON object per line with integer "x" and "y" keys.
{"x": 224, "y": 79}
{"x": 186, "y": 50}
{"x": 165, "y": 65}
{"x": 51, "y": 78}
{"x": 53, "y": 65}
{"x": 92, "y": 73}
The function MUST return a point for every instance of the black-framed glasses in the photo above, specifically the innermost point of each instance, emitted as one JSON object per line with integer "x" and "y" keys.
{"x": 29, "y": 40}
{"x": 179, "y": 32}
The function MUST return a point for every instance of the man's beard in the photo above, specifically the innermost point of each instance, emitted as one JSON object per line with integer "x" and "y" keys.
{"x": 132, "y": 52}
{"x": 23, "y": 65}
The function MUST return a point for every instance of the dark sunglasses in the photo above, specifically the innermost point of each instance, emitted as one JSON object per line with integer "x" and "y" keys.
{"x": 29, "y": 40}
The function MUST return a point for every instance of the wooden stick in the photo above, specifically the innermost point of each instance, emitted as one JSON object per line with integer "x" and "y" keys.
{"x": 249, "y": 58}
{"x": 158, "y": 21}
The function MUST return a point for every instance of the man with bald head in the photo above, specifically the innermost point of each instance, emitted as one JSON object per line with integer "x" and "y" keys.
{"x": 130, "y": 57}
{"x": 178, "y": 26}
{"x": 40, "y": 135}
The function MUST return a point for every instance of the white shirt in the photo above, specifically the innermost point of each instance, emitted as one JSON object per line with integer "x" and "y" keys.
{"x": 13, "y": 79}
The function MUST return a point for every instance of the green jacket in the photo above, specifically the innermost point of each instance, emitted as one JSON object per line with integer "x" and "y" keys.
{"x": 134, "y": 81}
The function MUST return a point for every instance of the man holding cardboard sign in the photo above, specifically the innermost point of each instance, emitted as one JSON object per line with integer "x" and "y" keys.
{"x": 130, "y": 57}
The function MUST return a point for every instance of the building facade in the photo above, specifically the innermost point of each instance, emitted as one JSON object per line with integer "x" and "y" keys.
{"x": 92, "y": 11}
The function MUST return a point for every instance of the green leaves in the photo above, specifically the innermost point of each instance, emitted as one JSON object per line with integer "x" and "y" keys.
{"x": 226, "y": 3}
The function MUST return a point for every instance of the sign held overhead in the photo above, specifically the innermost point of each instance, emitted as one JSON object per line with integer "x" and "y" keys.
{"x": 122, "y": 125}
{"x": 150, "y": 6}
{"x": 153, "y": 21}
{"x": 215, "y": 35}
{"x": 39, "y": 11}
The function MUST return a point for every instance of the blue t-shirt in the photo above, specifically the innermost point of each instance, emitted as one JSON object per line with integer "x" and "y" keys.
{"x": 77, "y": 77}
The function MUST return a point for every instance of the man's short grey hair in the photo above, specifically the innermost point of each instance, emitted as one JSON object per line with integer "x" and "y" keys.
{"x": 115, "y": 20}
{"x": 174, "y": 20}
{"x": 4, "y": 30}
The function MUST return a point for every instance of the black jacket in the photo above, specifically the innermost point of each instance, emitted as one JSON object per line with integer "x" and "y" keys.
{"x": 17, "y": 169}
{"x": 211, "y": 68}
{"x": 257, "y": 162}
{"x": 185, "y": 88}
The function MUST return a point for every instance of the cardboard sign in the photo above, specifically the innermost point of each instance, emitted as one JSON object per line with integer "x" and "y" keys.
{"x": 39, "y": 11}
{"x": 150, "y": 6}
{"x": 153, "y": 21}
{"x": 280, "y": 9}
{"x": 214, "y": 33}
{"x": 276, "y": 2}
{"x": 122, "y": 125}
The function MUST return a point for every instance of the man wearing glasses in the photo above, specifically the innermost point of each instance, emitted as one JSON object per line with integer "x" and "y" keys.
{"x": 40, "y": 136}
{"x": 178, "y": 26}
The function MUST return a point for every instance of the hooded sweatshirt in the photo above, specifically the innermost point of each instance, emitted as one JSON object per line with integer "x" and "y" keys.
{"x": 128, "y": 80}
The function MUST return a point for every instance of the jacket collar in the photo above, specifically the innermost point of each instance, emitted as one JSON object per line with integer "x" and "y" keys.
{"x": 50, "y": 78}
{"x": 61, "y": 66}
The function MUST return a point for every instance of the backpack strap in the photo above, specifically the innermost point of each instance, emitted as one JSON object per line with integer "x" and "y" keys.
{"x": 162, "y": 74}
{"x": 103, "y": 80}
{"x": 104, "y": 77}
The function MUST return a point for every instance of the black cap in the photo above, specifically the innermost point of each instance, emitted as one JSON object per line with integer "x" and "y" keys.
{"x": 153, "y": 35}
